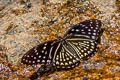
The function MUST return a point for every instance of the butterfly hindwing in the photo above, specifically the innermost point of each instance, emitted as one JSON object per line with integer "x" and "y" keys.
{"x": 84, "y": 47}
{"x": 90, "y": 28}
{"x": 64, "y": 58}
{"x": 69, "y": 54}
{"x": 41, "y": 54}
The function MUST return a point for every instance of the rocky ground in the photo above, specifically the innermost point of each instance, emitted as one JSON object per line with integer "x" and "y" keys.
{"x": 27, "y": 23}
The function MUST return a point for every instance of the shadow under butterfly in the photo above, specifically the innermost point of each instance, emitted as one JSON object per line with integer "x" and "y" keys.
{"x": 79, "y": 43}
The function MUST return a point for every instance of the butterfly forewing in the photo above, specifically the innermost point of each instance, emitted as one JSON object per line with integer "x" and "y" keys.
{"x": 89, "y": 28}
{"x": 41, "y": 54}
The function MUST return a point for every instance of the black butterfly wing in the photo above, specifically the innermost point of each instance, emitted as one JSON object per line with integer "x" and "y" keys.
{"x": 89, "y": 28}
{"x": 41, "y": 54}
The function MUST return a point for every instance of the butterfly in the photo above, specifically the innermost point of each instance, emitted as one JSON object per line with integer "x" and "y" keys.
{"x": 79, "y": 43}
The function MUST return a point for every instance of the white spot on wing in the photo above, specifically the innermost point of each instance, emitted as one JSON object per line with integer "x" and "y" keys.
{"x": 42, "y": 51}
{"x": 88, "y": 52}
{"x": 35, "y": 50}
{"x": 44, "y": 47}
{"x": 92, "y": 43}
{"x": 73, "y": 66}
{"x": 81, "y": 55}
{"x": 82, "y": 50}
{"x": 89, "y": 32}
{"x": 90, "y": 25}
{"x": 97, "y": 25}
{"x": 94, "y": 30}
{"x": 66, "y": 63}
{"x": 35, "y": 58}
{"x": 89, "y": 29}
{"x": 91, "y": 49}
{"x": 85, "y": 49}
{"x": 39, "y": 56}
{"x": 85, "y": 54}
{"x": 57, "y": 62}
{"x": 48, "y": 61}
{"x": 82, "y": 30}
{"x": 93, "y": 37}
{"x": 29, "y": 61}
{"x": 77, "y": 29}
{"x": 38, "y": 60}
{"x": 83, "y": 25}
{"x": 45, "y": 52}
{"x": 72, "y": 30}
{"x": 33, "y": 61}
{"x": 70, "y": 62}
{"x": 61, "y": 64}
{"x": 43, "y": 61}
{"x": 67, "y": 58}
{"x": 74, "y": 61}
{"x": 94, "y": 33}
{"x": 91, "y": 22}
{"x": 37, "y": 53}
{"x": 45, "y": 44}
{"x": 44, "y": 57}
{"x": 57, "y": 58}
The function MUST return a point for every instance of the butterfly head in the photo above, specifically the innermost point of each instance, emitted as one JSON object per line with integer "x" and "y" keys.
{"x": 61, "y": 39}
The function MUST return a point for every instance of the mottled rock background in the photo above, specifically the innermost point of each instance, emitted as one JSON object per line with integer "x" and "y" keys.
{"x": 27, "y": 23}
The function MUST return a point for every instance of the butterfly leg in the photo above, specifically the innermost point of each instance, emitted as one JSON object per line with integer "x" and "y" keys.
{"x": 44, "y": 69}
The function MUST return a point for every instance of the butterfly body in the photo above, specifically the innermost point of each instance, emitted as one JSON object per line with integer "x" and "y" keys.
{"x": 79, "y": 43}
